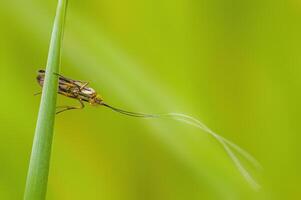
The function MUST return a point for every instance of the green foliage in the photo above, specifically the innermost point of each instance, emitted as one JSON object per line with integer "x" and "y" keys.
{"x": 36, "y": 185}
{"x": 233, "y": 64}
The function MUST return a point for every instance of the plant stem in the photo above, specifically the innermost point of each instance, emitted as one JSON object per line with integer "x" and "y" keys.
{"x": 36, "y": 183}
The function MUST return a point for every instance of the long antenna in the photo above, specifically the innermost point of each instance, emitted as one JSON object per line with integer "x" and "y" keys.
{"x": 223, "y": 141}
{"x": 132, "y": 114}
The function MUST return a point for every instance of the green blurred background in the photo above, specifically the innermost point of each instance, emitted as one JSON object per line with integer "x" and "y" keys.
{"x": 234, "y": 64}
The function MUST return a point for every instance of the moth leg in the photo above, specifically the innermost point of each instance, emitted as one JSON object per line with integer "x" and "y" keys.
{"x": 65, "y": 108}
{"x": 69, "y": 81}
{"x": 72, "y": 83}
{"x": 57, "y": 74}
{"x": 37, "y": 93}
{"x": 84, "y": 85}
{"x": 82, "y": 105}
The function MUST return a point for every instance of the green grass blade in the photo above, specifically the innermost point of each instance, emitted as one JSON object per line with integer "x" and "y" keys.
{"x": 36, "y": 184}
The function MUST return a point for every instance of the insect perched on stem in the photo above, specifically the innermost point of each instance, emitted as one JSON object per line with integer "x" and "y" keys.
{"x": 79, "y": 90}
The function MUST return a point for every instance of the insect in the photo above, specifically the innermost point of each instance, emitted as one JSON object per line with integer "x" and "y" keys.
{"x": 80, "y": 91}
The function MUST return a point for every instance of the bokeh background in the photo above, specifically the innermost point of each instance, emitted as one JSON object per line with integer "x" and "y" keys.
{"x": 233, "y": 64}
